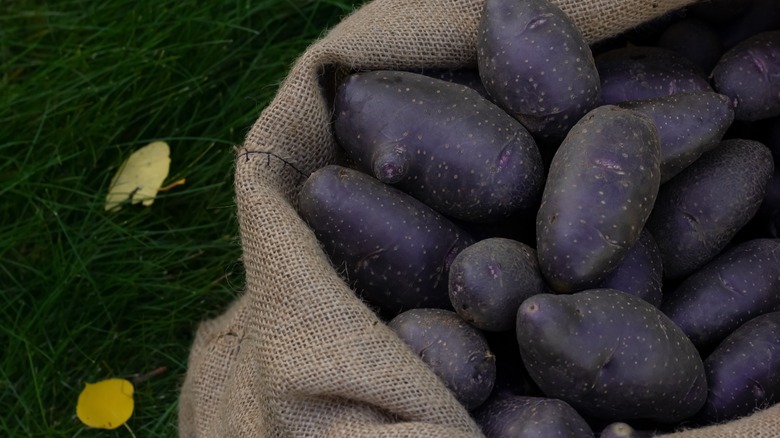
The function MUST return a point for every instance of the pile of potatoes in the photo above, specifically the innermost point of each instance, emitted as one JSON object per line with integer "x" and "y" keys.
{"x": 574, "y": 238}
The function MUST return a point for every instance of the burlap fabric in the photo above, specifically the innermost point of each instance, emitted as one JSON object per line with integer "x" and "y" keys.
{"x": 298, "y": 354}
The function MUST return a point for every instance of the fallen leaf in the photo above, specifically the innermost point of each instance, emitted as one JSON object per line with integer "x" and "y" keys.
{"x": 107, "y": 404}
{"x": 139, "y": 178}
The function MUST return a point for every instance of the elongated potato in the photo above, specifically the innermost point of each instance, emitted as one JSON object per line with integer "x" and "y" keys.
{"x": 531, "y": 417}
{"x": 395, "y": 251}
{"x": 610, "y": 355}
{"x": 689, "y": 124}
{"x": 742, "y": 372}
{"x": 536, "y": 64}
{"x": 741, "y": 283}
{"x": 646, "y": 72}
{"x": 700, "y": 210}
{"x": 441, "y": 142}
{"x": 455, "y": 351}
{"x": 601, "y": 187}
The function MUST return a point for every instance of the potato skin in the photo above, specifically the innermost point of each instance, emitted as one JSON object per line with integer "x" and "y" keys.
{"x": 749, "y": 74}
{"x": 455, "y": 351}
{"x": 601, "y": 186}
{"x": 701, "y": 209}
{"x": 640, "y": 272}
{"x": 689, "y": 124}
{"x": 646, "y": 72}
{"x": 489, "y": 279}
{"x": 395, "y": 250}
{"x": 610, "y": 355}
{"x": 441, "y": 142}
{"x": 536, "y": 64}
{"x": 623, "y": 430}
{"x": 464, "y": 76}
{"x": 739, "y": 284}
{"x": 531, "y": 417}
{"x": 742, "y": 371}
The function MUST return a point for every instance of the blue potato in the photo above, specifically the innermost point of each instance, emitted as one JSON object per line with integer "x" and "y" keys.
{"x": 749, "y": 74}
{"x": 455, "y": 351}
{"x": 537, "y": 65}
{"x": 611, "y": 355}
{"x": 464, "y": 76}
{"x": 602, "y": 184}
{"x": 623, "y": 430}
{"x": 489, "y": 279}
{"x": 531, "y": 417}
{"x": 689, "y": 124}
{"x": 395, "y": 250}
{"x": 439, "y": 141}
{"x": 743, "y": 371}
{"x": 739, "y": 284}
{"x": 646, "y": 72}
{"x": 700, "y": 210}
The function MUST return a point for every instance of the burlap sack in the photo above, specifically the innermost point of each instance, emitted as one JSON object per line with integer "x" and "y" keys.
{"x": 298, "y": 354}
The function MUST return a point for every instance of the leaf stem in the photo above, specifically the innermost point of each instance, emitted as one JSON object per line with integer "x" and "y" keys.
{"x": 129, "y": 430}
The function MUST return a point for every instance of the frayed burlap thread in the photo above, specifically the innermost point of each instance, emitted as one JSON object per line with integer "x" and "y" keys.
{"x": 298, "y": 353}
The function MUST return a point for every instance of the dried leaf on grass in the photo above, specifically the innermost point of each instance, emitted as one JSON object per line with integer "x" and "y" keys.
{"x": 139, "y": 178}
{"x": 107, "y": 404}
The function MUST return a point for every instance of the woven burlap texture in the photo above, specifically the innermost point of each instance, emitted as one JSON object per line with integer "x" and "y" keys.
{"x": 298, "y": 354}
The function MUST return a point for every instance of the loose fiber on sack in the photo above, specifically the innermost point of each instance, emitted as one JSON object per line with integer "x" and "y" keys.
{"x": 298, "y": 354}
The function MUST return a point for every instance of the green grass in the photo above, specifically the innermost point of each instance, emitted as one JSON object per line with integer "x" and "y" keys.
{"x": 88, "y": 295}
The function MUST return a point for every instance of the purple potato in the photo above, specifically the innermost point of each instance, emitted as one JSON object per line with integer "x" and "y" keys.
{"x": 695, "y": 40}
{"x": 455, "y": 351}
{"x": 623, "y": 430}
{"x": 611, "y": 355}
{"x": 536, "y": 64}
{"x": 464, "y": 76}
{"x": 739, "y": 284}
{"x": 489, "y": 279}
{"x": 744, "y": 371}
{"x": 601, "y": 186}
{"x": 640, "y": 272}
{"x": 646, "y": 72}
{"x": 531, "y": 417}
{"x": 440, "y": 142}
{"x": 760, "y": 16}
{"x": 689, "y": 124}
{"x": 394, "y": 250}
{"x": 701, "y": 209}
{"x": 749, "y": 74}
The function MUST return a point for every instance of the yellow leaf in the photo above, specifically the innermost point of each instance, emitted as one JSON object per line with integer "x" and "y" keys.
{"x": 107, "y": 404}
{"x": 139, "y": 178}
